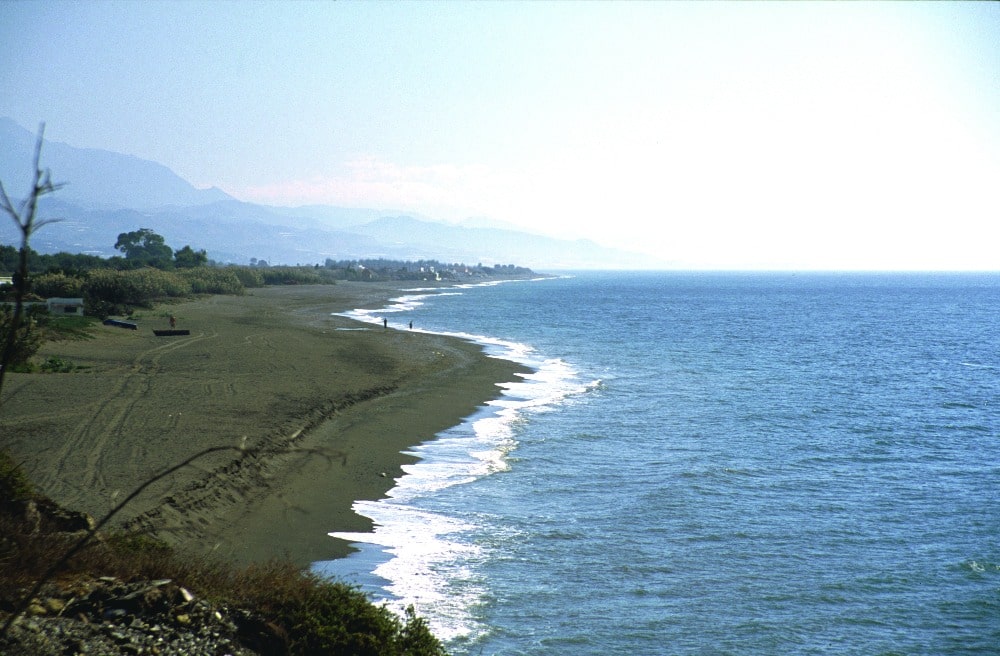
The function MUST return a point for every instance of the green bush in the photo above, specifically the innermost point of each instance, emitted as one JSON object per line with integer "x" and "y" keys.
{"x": 209, "y": 280}
{"x": 292, "y": 276}
{"x": 57, "y": 366}
{"x": 326, "y": 617}
{"x": 14, "y": 484}
{"x": 27, "y": 340}
{"x": 249, "y": 276}
{"x": 134, "y": 287}
{"x": 57, "y": 284}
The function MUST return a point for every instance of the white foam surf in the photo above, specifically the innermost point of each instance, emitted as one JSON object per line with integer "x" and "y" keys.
{"x": 427, "y": 550}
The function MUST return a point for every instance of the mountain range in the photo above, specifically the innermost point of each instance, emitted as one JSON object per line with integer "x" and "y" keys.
{"x": 109, "y": 193}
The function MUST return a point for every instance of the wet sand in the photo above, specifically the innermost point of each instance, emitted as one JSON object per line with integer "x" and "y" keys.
{"x": 312, "y": 412}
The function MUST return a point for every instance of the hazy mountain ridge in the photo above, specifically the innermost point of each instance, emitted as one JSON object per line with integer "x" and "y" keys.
{"x": 109, "y": 193}
{"x": 96, "y": 178}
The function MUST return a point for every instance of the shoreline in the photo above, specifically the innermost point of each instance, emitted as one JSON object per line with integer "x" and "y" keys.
{"x": 323, "y": 405}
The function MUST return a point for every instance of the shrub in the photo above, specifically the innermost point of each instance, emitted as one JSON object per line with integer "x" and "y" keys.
{"x": 134, "y": 287}
{"x": 14, "y": 484}
{"x": 249, "y": 276}
{"x": 326, "y": 617}
{"x": 57, "y": 284}
{"x": 291, "y": 276}
{"x": 57, "y": 366}
{"x": 208, "y": 280}
{"x": 27, "y": 339}
{"x": 304, "y": 613}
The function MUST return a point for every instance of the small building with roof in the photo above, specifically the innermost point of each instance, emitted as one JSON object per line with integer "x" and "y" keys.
{"x": 65, "y": 306}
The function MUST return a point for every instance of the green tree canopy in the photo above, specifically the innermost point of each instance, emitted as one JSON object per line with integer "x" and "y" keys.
{"x": 143, "y": 247}
{"x": 188, "y": 258}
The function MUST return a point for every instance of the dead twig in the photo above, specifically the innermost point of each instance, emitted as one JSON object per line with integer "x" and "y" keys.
{"x": 27, "y": 224}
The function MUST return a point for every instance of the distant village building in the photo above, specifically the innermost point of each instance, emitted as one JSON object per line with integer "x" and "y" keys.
{"x": 65, "y": 306}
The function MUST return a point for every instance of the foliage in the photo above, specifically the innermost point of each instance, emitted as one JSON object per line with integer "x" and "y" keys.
{"x": 9, "y": 258}
{"x": 188, "y": 258}
{"x": 306, "y": 614}
{"x": 210, "y": 280}
{"x": 27, "y": 338}
{"x": 134, "y": 287}
{"x": 293, "y": 276}
{"x": 383, "y": 269}
{"x": 14, "y": 483}
{"x": 68, "y": 263}
{"x": 55, "y": 365}
{"x": 48, "y": 285}
{"x": 145, "y": 248}
{"x": 249, "y": 276}
{"x": 324, "y": 617}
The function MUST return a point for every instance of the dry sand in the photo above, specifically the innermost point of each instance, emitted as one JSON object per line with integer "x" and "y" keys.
{"x": 322, "y": 405}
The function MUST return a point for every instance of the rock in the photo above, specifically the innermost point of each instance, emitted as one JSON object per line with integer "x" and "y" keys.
{"x": 55, "y": 606}
{"x": 119, "y": 636}
{"x": 43, "y": 513}
{"x": 109, "y": 617}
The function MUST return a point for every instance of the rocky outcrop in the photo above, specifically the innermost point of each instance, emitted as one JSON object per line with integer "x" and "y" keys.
{"x": 108, "y": 616}
{"x": 41, "y": 514}
{"x": 77, "y": 613}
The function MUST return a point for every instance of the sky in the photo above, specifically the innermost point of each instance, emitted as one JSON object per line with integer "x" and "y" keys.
{"x": 756, "y": 135}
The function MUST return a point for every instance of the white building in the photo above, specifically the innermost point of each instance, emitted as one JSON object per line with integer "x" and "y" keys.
{"x": 65, "y": 306}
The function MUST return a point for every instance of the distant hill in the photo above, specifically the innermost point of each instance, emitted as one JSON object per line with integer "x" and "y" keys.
{"x": 484, "y": 244}
{"x": 110, "y": 193}
{"x": 96, "y": 178}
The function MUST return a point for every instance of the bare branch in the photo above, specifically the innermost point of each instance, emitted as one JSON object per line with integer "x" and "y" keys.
{"x": 7, "y": 206}
{"x": 26, "y": 223}
{"x": 44, "y": 222}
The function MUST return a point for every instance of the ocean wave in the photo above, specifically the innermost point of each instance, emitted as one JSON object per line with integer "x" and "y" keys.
{"x": 427, "y": 552}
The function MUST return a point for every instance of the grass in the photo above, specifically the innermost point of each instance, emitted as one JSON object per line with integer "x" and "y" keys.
{"x": 14, "y": 484}
{"x": 67, "y": 327}
{"x": 55, "y": 365}
{"x": 305, "y": 613}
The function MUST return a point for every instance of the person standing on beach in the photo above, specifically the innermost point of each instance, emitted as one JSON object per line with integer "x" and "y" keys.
{"x": 385, "y": 322}
{"x": 411, "y": 325}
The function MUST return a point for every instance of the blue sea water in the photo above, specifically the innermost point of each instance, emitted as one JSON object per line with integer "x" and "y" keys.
{"x": 708, "y": 463}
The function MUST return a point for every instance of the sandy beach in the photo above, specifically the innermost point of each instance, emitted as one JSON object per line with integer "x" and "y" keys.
{"x": 312, "y": 411}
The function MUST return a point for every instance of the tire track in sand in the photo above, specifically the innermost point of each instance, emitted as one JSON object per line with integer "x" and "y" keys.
{"x": 92, "y": 437}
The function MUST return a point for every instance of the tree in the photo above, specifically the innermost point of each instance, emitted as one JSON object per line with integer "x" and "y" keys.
{"x": 188, "y": 258}
{"x": 24, "y": 217}
{"x": 25, "y": 336}
{"x": 144, "y": 247}
{"x": 9, "y": 258}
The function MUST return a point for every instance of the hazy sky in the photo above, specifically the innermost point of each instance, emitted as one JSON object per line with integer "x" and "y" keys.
{"x": 733, "y": 135}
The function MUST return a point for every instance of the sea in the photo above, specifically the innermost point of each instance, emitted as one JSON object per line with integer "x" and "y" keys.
{"x": 706, "y": 463}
